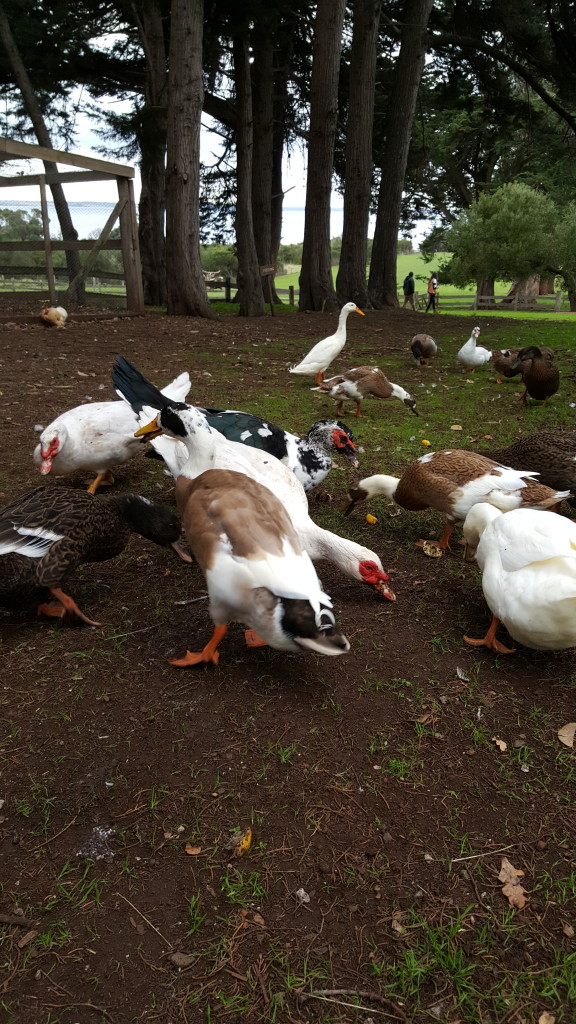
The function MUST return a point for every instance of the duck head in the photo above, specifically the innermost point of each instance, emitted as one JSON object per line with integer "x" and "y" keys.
{"x": 50, "y": 445}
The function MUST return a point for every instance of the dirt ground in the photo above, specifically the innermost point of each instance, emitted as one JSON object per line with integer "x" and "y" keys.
{"x": 367, "y": 780}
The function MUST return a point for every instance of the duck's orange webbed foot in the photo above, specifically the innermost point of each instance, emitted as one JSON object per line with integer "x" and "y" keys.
{"x": 253, "y": 640}
{"x": 69, "y": 605}
{"x": 490, "y": 640}
{"x": 207, "y": 655}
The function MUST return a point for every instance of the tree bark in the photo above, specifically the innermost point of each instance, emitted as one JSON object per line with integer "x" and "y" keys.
{"x": 485, "y": 288}
{"x": 316, "y": 286}
{"x": 410, "y": 64}
{"x": 250, "y": 294}
{"x": 351, "y": 285}
{"x": 69, "y": 233}
{"x": 185, "y": 289}
{"x": 263, "y": 138}
{"x": 526, "y": 291}
{"x": 152, "y": 143}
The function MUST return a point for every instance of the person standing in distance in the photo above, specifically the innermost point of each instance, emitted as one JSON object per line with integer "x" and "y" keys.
{"x": 432, "y": 294}
{"x": 408, "y": 287}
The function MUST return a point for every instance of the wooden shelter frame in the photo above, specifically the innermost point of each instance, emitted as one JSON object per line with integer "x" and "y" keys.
{"x": 90, "y": 169}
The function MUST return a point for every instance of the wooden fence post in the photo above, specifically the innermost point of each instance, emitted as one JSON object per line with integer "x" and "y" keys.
{"x": 291, "y": 294}
{"x": 227, "y": 290}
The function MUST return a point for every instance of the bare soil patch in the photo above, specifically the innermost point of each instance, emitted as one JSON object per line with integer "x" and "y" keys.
{"x": 367, "y": 780}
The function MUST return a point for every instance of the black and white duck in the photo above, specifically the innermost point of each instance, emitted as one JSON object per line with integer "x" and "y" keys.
{"x": 46, "y": 533}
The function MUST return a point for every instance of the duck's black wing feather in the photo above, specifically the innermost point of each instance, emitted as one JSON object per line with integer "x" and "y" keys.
{"x": 137, "y": 389}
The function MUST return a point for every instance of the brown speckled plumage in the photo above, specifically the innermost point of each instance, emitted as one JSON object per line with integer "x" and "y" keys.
{"x": 552, "y": 454}
{"x": 503, "y": 361}
{"x": 540, "y": 375}
{"x": 86, "y": 528}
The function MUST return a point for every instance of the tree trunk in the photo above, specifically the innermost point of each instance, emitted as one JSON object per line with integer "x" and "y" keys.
{"x": 524, "y": 292}
{"x": 250, "y": 294}
{"x": 485, "y": 288}
{"x": 316, "y": 286}
{"x": 152, "y": 143}
{"x": 409, "y": 67}
{"x": 69, "y": 233}
{"x": 546, "y": 286}
{"x": 185, "y": 289}
{"x": 263, "y": 138}
{"x": 351, "y": 285}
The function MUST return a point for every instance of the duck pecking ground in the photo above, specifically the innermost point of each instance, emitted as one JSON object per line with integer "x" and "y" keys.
{"x": 411, "y": 803}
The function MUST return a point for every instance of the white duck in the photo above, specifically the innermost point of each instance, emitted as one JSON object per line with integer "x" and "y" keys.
{"x": 528, "y": 562}
{"x": 355, "y": 561}
{"x": 471, "y": 355}
{"x": 245, "y": 543}
{"x": 324, "y": 352}
{"x": 56, "y": 316}
{"x": 95, "y": 437}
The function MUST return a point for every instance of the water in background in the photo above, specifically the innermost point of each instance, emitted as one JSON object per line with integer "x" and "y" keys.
{"x": 89, "y": 218}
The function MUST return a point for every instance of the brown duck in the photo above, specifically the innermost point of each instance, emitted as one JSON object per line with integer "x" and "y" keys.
{"x": 423, "y": 348}
{"x": 540, "y": 375}
{"x": 551, "y": 454}
{"x": 49, "y": 531}
{"x": 452, "y": 481}
{"x": 503, "y": 360}
{"x": 361, "y": 382}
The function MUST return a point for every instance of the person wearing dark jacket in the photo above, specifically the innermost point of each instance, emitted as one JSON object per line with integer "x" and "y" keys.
{"x": 408, "y": 287}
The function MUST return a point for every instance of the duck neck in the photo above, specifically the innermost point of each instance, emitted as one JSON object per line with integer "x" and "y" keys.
{"x": 380, "y": 484}
{"x": 200, "y": 442}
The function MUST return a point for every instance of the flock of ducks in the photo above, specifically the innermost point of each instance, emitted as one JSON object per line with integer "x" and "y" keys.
{"x": 241, "y": 484}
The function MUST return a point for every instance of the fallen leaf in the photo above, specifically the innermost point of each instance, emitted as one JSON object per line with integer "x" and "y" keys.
{"x": 137, "y": 925}
{"x": 182, "y": 959}
{"x": 501, "y": 744}
{"x": 258, "y": 919}
{"x": 428, "y": 716}
{"x": 193, "y": 851}
{"x": 455, "y": 426}
{"x": 568, "y": 931}
{"x": 512, "y": 889}
{"x": 431, "y": 549}
{"x": 566, "y": 734}
{"x": 546, "y": 1018}
{"x": 245, "y": 843}
{"x": 462, "y": 675}
{"x": 488, "y": 437}
{"x": 26, "y": 939}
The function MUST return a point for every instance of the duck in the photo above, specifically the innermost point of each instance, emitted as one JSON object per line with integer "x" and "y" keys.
{"x": 540, "y": 375}
{"x": 95, "y": 437}
{"x": 472, "y": 355}
{"x": 354, "y": 560}
{"x": 360, "y": 382}
{"x": 503, "y": 361}
{"x": 528, "y": 563}
{"x": 47, "y": 532}
{"x": 55, "y": 316}
{"x": 308, "y": 457}
{"x": 551, "y": 454}
{"x": 423, "y": 348}
{"x": 243, "y": 539}
{"x": 324, "y": 352}
{"x": 452, "y": 481}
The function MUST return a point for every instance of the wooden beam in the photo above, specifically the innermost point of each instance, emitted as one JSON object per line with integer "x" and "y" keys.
{"x": 47, "y": 249}
{"x": 56, "y": 244}
{"x": 130, "y": 247}
{"x": 64, "y": 177}
{"x": 12, "y": 150}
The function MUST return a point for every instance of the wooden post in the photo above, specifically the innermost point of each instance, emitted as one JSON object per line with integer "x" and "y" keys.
{"x": 47, "y": 246}
{"x": 227, "y": 290}
{"x": 291, "y": 294}
{"x": 130, "y": 247}
{"x": 268, "y": 273}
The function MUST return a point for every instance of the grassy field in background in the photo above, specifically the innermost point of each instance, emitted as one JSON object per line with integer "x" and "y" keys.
{"x": 421, "y": 269}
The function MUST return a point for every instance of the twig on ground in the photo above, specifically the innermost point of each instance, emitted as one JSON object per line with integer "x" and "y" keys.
{"x": 51, "y": 840}
{"x": 488, "y": 853}
{"x": 144, "y": 918}
{"x": 325, "y": 993}
{"x": 21, "y": 922}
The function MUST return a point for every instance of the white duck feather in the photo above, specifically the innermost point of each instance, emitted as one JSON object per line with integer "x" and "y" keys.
{"x": 472, "y": 355}
{"x": 528, "y": 562}
{"x": 324, "y": 352}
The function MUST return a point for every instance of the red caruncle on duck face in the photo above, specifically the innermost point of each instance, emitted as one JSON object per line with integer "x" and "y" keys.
{"x": 345, "y": 446}
{"x": 49, "y": 452}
